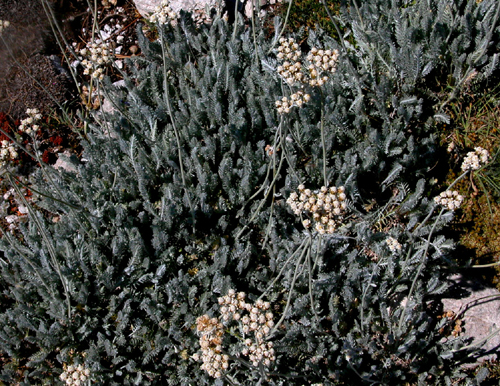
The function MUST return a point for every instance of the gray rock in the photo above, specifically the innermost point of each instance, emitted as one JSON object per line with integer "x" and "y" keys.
{"x": 478, "y": 306}
{"x": 67, "y": 161}
{"x": 146, "y": 7}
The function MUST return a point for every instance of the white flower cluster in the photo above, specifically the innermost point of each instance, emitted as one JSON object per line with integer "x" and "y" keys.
{"x": 321, "y": 61}
{"x": 449, "y": 199}
{"x": 475, "y": 158}
{"x": 289, "y": 50}
{"x": 75, "y": 375}
{"x": 298, "y": 99}
{"x": 326, "y": 207}
{"x": 7, "y": 151}
{"x": 291, "y": 69}
{"x": 29, "y": 125}
{"x": 163, "y": 13}
{"x": 97, "y": 54}
{"x": 252, "y": 318}
{"x": 3, "y": 24}
{"x": 393, "y": 244}
{"x": 258, "y": 320}
{"x": 214, "y": 360}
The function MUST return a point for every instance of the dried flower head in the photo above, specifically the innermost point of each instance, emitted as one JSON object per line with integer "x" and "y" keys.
{"x": 253, "y": 320}
{"x": 29, "y": 125}
{"x": 449, "y": 199}
{"x": 288, "y": 50}
{"x": 163, "y": 14}
{"x": 475, "y": 158}
{"x": 96, "y": 55}
{"x": 326, "y": 207}
{"x": 75, "y": 375}
{"x": 393, "y": 244}
{"x": 321, "y": 63}
{"x": 7, "y": 152}
{"x": 211, "y": 331}
{"x": 298, "y": 99}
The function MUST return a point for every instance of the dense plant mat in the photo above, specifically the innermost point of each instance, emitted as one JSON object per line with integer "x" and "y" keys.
{"x": 255, "y": 209}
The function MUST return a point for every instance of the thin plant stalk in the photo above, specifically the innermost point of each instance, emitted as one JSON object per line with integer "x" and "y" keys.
{"x": 344, "y": 48}
{"x": 263, "y": 200}
{"x": 292, "y": 285}
{"x": 365, "y": 292}
{"x": 310, "y": 273}
{"x": 30, "y": 263}
{"x": 60, "y": 36}
{"x": 486, "y": 265}
{"x": 323, "y": 143}
{"x": 302, "y": 245}
{"x": 284, "y": 26}
{"x": 172, "y": 120}
{"x": 40, "y": 193}
{"x": 424, "y": 259}
{"x": 235, "y": 28}
{"x": 49, "y": 245}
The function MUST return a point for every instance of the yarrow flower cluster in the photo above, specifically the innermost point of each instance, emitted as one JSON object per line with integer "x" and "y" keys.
{"x": 259, "y": 321}
{"x": 97, "y": 54}
{"x": 475, "y": 158}
{"x": 163, "y": 14}
{"x": 75, "y": 375}
{"x": 29, "y": 125}
{"x": 292, "y": 71}
{"x": 3, "y": 24}
{"x": 289, "y": 50}
{"x": 393, "y": 244}
{"x": 298, "y": 99}
{"x": 7, "y": 151}
{"x": 327, "y": 207}
{"x": 214, "y": 360}
{"x": 321, "y": 62}
{"x": 253, "y": 319}
{"x": 449, "y": 199}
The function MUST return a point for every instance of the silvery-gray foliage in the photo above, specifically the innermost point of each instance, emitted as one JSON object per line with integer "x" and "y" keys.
{"x": 177, "y": 201}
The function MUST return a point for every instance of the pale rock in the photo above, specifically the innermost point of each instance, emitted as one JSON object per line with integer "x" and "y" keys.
{"x": 65, "y": 163}
{"x": 478, "y": 307}
{"x": 146, "y": 7}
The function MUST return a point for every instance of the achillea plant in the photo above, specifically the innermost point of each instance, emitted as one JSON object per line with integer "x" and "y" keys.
{"x": 253, "y": 321}
{"x": 29, "y": 125}
{"x": 326, "y": 207}
{"x": 181, "y": 195}
{"x": 75, "y": 375}
{"x": 7, "y": 151}
{"x": 96, "y": 55}
{"x": 163, "y": 13}
{"x": 475, "y": 158}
